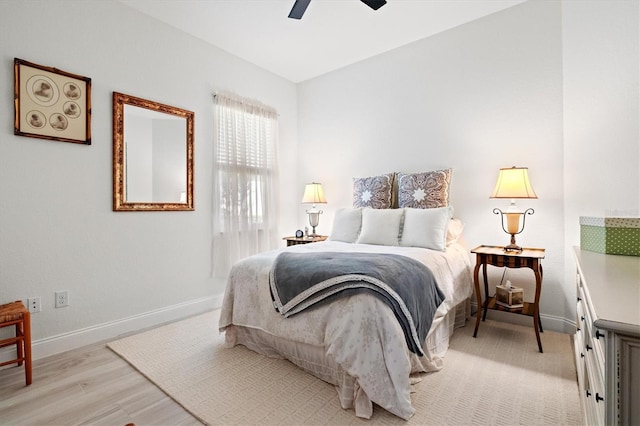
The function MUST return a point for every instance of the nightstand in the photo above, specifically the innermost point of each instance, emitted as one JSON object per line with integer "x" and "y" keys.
{"x": 292, "y": 241}
{"x": 496, "y": 256}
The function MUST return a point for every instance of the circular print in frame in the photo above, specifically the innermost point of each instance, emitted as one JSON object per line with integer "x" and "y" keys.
{"x": 58, "y": 121}
{"x": 42, "y": 90}
{"x": 71, "y": 109}
{"x": 71, "y": 91}
{"x": 36, "y": 119}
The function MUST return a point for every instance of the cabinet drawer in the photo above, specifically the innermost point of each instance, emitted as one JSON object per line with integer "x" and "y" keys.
{"x": 598, "y": 339}
{"x": 593, "y": 338}
{"x": 578, "y": 348}
{"x": 592, "y": 399}
{"x": 579, "y": 286}
{"x": 581, "y": 319}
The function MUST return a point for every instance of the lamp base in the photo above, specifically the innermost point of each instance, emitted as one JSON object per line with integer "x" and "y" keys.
{"x": 513, "y": 248}
{"x": 314, "y": 220}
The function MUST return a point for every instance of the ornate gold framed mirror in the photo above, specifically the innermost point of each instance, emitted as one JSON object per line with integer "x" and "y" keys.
{"x": 152, "y": 156}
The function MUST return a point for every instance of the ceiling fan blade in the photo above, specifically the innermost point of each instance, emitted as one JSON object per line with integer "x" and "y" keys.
{"x": 298, "y": 9}
{"x": 374, "y": 4}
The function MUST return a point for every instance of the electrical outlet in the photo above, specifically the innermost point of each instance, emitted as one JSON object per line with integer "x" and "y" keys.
{"x": 62, "y": 298}
{"x": 34, "y": 304}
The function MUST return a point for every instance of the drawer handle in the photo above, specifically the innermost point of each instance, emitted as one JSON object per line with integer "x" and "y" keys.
{"x": 599, "y": 335}
{"x": 599, "y": 398}
{"x": 589, "y": 347}
{"x": 588, "y": 393}
{"x": 579, "y": 299}
{"x": 582, "y": 317}
{"x": 581, "y": 354}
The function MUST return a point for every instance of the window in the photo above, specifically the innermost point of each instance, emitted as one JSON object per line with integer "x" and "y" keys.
{"x": 245, "y": 177}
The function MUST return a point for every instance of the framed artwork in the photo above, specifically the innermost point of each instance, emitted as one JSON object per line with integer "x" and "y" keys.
{"x": 51, "y": 104}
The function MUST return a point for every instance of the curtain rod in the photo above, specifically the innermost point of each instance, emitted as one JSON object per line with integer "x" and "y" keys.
{"x": 246, "y": 101}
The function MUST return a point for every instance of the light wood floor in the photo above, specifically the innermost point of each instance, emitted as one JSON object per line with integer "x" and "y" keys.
{"x": 90, "y": 385}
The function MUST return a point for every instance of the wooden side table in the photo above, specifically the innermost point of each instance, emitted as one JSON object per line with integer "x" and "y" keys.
{"x": 292, "y": 241}
{"x": 496, "y": 256}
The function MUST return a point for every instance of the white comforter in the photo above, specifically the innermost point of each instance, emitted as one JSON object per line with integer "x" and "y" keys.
{"x": 360, "y": 333}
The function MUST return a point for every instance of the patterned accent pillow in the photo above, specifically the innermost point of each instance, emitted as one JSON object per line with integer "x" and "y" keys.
{"x": 424, "y": 190}
{"x": 374, "y": 191}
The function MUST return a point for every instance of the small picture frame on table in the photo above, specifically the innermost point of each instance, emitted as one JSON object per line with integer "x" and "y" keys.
{"x": 51, "y": 104}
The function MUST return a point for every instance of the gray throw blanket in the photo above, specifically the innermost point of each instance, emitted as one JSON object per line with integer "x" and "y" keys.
{"x": 301, "y": 280}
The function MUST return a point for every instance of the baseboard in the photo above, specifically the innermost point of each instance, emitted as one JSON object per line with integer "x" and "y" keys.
{"x": 549, "y": 322}
{"x": 53, "y": 345}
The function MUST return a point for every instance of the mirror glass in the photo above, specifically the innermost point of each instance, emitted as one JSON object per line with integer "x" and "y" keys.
{"x": 153, "y": 155}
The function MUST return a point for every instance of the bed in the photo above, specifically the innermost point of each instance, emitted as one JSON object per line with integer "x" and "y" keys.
{"x": 355, "y": 342}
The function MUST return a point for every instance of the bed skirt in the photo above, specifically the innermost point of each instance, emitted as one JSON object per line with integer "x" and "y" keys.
{"x": 313, "y": 359}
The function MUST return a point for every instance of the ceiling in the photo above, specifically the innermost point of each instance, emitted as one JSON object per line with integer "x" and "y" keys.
{"x": 332, "y": 33}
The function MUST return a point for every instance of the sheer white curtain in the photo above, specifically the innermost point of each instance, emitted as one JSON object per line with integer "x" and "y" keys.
{"x": 245, "y": 180}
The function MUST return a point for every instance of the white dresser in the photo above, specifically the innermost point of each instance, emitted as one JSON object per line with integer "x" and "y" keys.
{"x": 607, "y": 342}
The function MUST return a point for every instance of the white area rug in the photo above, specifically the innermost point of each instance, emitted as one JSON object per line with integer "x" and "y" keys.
{"x": 497, "y": 378}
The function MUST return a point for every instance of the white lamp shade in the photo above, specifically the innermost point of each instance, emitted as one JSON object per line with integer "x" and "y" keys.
{"x": 313, "y": 194}
{"x": 513, "y": 182}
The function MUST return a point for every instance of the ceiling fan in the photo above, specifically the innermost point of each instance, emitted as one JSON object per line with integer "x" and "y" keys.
{"x": 301, "y": 5}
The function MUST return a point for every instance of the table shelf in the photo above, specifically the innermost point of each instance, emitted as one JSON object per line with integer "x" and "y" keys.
{"x": 527, "y": 309}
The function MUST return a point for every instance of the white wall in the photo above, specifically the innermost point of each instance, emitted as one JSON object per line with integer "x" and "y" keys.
{"x": 57, "y": 227}
{"x": 601, "y": 66}
{"x": 481, "y": 96}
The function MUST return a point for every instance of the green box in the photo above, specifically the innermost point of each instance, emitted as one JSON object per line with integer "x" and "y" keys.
{"x": 610, "y": 235}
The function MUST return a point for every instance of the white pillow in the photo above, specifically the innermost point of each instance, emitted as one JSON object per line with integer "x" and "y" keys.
{"x": 426, "y": 227}
{"x": 380, "y": 226}
{"x": 454, "y": 231}
{"x": 346, "y": 225}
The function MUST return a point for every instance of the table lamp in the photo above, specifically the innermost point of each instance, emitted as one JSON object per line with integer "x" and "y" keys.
{"x": 513, "y": 183}
{"x": 313, "y": 194}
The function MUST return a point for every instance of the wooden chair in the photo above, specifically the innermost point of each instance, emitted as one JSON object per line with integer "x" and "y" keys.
{"x": 16, "y": 314}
